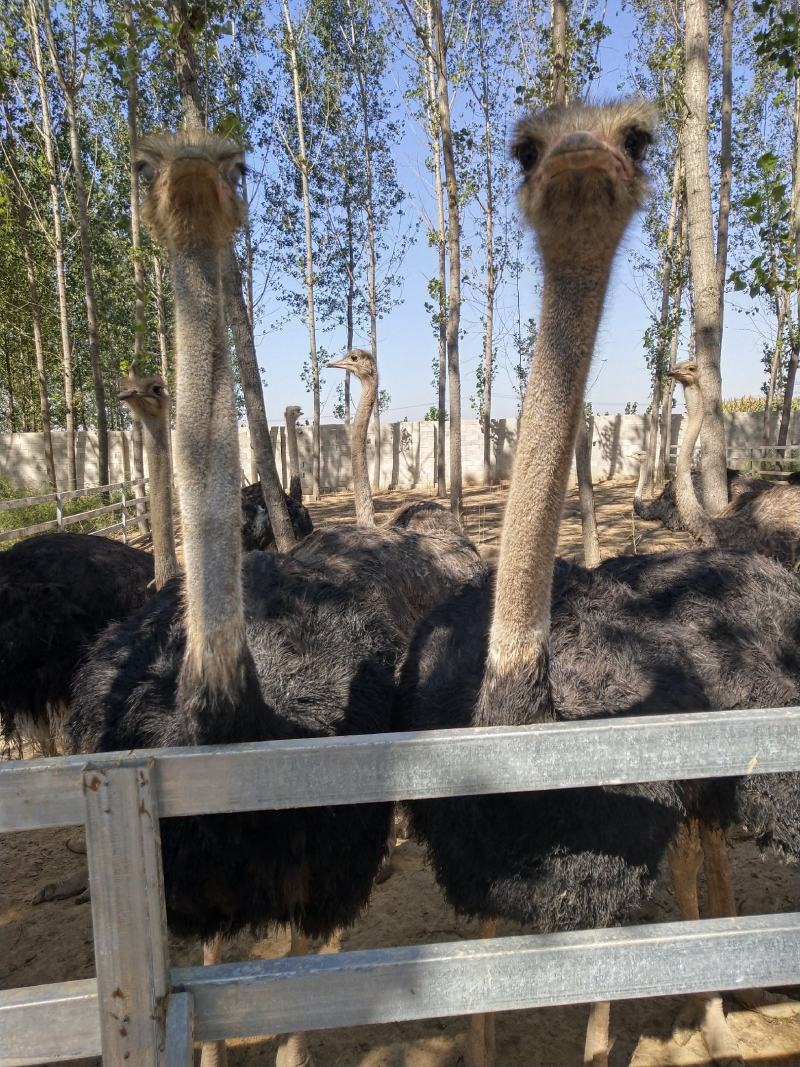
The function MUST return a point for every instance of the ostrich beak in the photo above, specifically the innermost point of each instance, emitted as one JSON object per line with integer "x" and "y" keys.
{"x": 127, "y": 393}
{"x": 341, "y": 363}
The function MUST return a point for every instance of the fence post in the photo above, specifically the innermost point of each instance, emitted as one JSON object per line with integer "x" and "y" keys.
{"x": 124, "y": 515}
{"x": 59, "y": 514}
{"x": 128, "y": 911}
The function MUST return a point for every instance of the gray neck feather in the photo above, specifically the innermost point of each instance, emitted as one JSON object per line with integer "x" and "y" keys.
{"x": 156, "y": 443}
{"x": 207, "y": 468}
{"x": 571, "y": 306}
{"x": 691, "y": 511}
{"x": 362, "y": 492}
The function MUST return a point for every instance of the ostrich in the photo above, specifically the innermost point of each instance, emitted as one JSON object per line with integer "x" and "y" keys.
{"x": 361, "y": 363}
{"x": 764, "y": 521}
{"x": 292, "y": 414}
{"x": 59, "y": 591}
{"x": 257, "y": 529}
{"x": 265, "y": 650}
{"x": 552, "y": 641}
{"x": 149, "y": 400}
{"x": 663, "y": 508}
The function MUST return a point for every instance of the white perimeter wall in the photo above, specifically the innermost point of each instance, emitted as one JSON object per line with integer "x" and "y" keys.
{"x": 407, "y": 451}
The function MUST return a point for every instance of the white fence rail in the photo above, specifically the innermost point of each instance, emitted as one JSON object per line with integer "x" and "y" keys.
{"x": 120, "y": 798}
{"x": 61, "y": 521}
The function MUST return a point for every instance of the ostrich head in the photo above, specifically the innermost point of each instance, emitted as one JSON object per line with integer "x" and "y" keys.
{"x": 685, "y": 373}
{"x": 194, "y": 198}
{"x": 583, "y": 175}
{"x": 292, "y": 413}
{"x": 360, "y": 361}
{"x": 146, "y": 395}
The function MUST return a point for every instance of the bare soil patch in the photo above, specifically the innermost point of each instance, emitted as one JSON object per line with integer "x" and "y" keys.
{"x": 52, "y": 942}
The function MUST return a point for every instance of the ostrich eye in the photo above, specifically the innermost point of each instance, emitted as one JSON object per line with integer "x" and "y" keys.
{"x": 636, "y": 143}
{"x": 158, "y": 390}
{"x": 145, "y": 170}
{"x": 235, "y": 171}
{"x": 527, "y": 154}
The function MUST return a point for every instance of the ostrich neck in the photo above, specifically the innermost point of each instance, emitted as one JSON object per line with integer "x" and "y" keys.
{"x": 362, "y": 492}
{"x": 156, "y": 443}
{"x": 572, "y": 302}
{"x": 207, "y": 468}
{"x": 691, "y": 511}
{"x": 294, "y": 453}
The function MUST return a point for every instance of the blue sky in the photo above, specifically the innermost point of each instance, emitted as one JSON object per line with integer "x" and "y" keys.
{"x": 406, "y": 344}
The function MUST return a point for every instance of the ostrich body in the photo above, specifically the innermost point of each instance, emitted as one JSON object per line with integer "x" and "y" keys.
{"x": 551, "y": 641}
{"x": 266, "y": 651}
{"x": 291, "y": 415}
{"x": 663, "y": 508}
{"x": 362, "y": 364}
{"x": 257, "y": 529}
{"x": 765, "y": 521}
{"x": 59, "y": 591}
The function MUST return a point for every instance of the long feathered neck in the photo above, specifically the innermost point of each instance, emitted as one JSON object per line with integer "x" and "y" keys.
{"x": 295, "y": 484}
{"x": 155, "y": 431}
{"x": 692, "y": 513}
{"x": 516, "y": 687}
{"x": 217, "y": 676}
{"x": 362, "y": 492}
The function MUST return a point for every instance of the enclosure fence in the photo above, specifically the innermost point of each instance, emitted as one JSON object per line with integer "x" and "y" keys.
{"x": 142, "y": 1012}
{"x": 138, "y": 498}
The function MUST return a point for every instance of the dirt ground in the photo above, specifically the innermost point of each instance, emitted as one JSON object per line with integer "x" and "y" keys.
{"x": 53, "y": 942}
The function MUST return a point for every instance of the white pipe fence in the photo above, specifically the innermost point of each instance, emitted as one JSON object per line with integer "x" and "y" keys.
{"x": 139, "y": 1010}
{"x": 61, "y": 521}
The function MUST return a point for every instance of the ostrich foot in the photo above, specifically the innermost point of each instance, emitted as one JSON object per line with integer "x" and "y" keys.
{"x": 77, "y": 845}
{"x": 293, "y": 1052}
{"x": 718, "y": 1037}
{"x": 75, "y": 886}
{"x": 598, "y": 1045}
{"x": 480, "y": 1046}
{"x": 765, "y": 1002}
{"x": 214, "y": 1055}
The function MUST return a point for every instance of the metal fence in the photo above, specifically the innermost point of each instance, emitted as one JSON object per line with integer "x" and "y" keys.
{"x": 139, "y": 500}
{"x": 139, "y": 1010}
{"x": 769, "y": 460}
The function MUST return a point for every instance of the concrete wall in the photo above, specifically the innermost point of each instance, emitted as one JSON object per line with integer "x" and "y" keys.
{"x": 408, "y": 451}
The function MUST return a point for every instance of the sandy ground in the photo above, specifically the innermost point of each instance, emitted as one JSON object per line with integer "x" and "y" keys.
{"x": 53, "y": 942}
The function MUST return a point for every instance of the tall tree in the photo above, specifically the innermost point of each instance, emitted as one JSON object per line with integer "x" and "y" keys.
{"x": 438, "y": 45}
{"x": 702, "y": 257}
{"x": 71, "y": 72}
{"x": 49, "y": 145}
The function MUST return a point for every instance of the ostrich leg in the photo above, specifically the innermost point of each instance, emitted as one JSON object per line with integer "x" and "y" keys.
{"x": 293, "y": 1048}
{"x": 481, "y": 1046}
{"x": 598, "y": 1046}
{"x": 214, "y": 1054}
{"x": 722, "y": 904}
{"x": 685, "y": 860}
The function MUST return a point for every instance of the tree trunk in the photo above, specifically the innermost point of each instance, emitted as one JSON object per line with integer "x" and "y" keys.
{"x": 559, "y": 38}
{"x": 441, "y": 248}
{"x": 139, "y": 320}
{"x": 781, "y": 309}
{"x": 454, "y": 250}
{"x": 666, "y": 405}
{"x": 21, "y": 212}
{"x": 583, "y": 469}
{"x": 725, "y": 154}
{"x": 488, "y": 339}
{"x": 236, "y": 309}
{"x": 351, "y": 295}
{"x": 705, "y": 287}
{"x": 302, "y": 164}
{"x": 70, "y": 90}
{"x": 659, "y": 368}
{"x": 58, "y": 248}
{"x": 791, "y": 373}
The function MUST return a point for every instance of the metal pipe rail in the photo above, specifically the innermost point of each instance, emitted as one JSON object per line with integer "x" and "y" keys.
{"x": 120, "y": 798}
